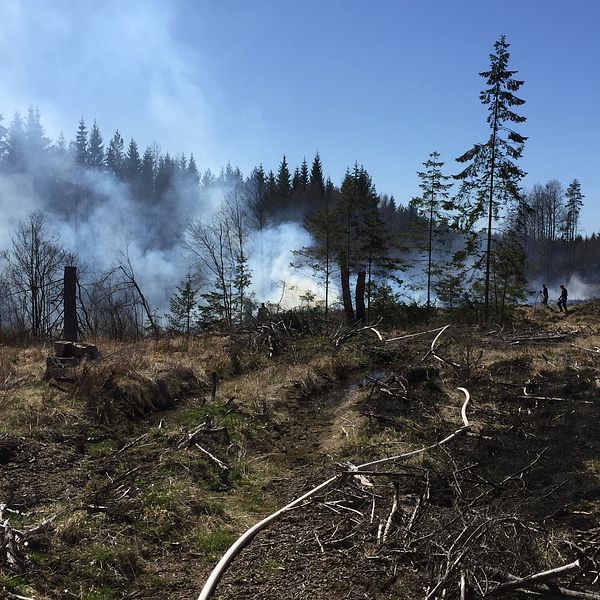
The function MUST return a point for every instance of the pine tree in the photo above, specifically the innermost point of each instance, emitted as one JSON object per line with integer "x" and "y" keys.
{"x": 37, "y": 143}
{"x": 357, "y": 198}
{"x": 60, "y": 148}
{"x": 296, "y": 180}
{"x": 491, "y": 179}
{"x": 132, "y": 166}
{"x": 431, "y": 204}
{"x": 573, "y": 207}
{"x": 283, "y": 184}
{"x": 208, "y": 179}
{"x": 183, "y": 305}
{"x": 146, "y": 189}
{"x": 165, "y": 175}
{"x": 15, "y": 158}
{"x": 508, "y": 274}
{"x": 316, "y": 183}
{"x": 114, "y": 155}
{"x": 95, "y": 154}
{"x": 304, "y": 177}
{"x": 256, "y": 198}
{"x": 271, "y": 193}
{"x": 192, "y": 171}
{"x": 80, "y": 146}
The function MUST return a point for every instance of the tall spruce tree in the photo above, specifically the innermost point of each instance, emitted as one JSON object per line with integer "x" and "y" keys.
{"x": 37, "y": 143}
{"x": 15, "y": 158}
{"x": 114, "y": 155}
{"x": 491, "y": 178}
{"x": 316, "y": 184}
{"x": 432, "y": 205}
{"x": 80, "y": 146}
{"x": 95, "y": 155}
{"x": 284, "y": 185}
{"x": 183, "y": 307}
{"x": 573, "y": 205}
{"x": 255, "y": 195}
{"x": 132, "y": 167}
{"x": 356, "y": 200}
{"x": 146, "y": 189}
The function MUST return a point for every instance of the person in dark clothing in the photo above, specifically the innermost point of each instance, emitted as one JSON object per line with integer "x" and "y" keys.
{"x": 562, "y": 301}
{"x": 544, "y": 295}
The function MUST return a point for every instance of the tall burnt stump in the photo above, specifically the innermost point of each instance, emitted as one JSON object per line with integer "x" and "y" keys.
{"x": 70, "y": 305}
{"x": 69, "y": 352}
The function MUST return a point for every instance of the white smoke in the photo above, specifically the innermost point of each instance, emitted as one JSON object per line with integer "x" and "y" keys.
{"x": 578, "y": 289}
{"x": 273, "y": 277}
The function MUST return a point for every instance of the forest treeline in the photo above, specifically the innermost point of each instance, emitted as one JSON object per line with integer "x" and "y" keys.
{"x": 473, "y": 238}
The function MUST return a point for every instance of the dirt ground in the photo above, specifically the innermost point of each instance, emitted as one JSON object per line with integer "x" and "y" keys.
{"x": 127, "y": 480}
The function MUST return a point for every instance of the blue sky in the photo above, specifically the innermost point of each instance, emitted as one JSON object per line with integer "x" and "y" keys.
{"x": 383, "y": 83}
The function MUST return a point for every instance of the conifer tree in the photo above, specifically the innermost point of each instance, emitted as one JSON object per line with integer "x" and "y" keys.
{"x": 132, "y": 166}
{"x": 491, "y": 178}
{"x": 60, "y": 147}
{"x": 36, "y": 142}
{"x": 271, "y": 192}
{"x": 95, "y": 155}
{"x": 165, "y": 174}
{"x": 283, "y": 183}
{"x": 357, "y": 198}
{"x": 192, "y": 171}
{"x": 80, "y": 146}
{"x": 183, "y": 305}
{"x": 256, "y": 198}
{"x": 146, "y": 189}
{"x": 303, "y": 175}
{"x": 573, "y": 207}
{"x": 114, "y": 155}
{"x": 431, "y": 204}
{"x": 316, "y": 184}
{"x": 208, "y": 179}
{"x": 15, "y": 157}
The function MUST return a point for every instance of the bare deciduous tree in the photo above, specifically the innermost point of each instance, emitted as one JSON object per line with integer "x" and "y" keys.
{"x": 33, "y": 276}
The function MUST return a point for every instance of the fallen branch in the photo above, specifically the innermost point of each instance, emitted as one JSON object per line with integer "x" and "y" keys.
{"x": 129, "y": 444}
{"x": 544, "y": 590}
{"x": 390, "y": 518}
{"x": 535, "y": 578}
{"x": 354, "y": 331}
{"x": 219, "y": 463}
{"x": 412, "y": 335}
{"x": 594, "y": 350}
{"x": 432, "y": 352}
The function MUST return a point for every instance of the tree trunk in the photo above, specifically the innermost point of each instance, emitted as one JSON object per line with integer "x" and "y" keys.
{"x": 360, "y": 295}
{"x": 346, "y": 296}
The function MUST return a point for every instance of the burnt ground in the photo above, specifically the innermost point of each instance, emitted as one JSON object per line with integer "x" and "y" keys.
{"x": 139, "y": 511}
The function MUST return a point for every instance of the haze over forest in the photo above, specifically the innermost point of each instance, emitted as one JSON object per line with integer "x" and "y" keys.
{"x": 105, "y": 201}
